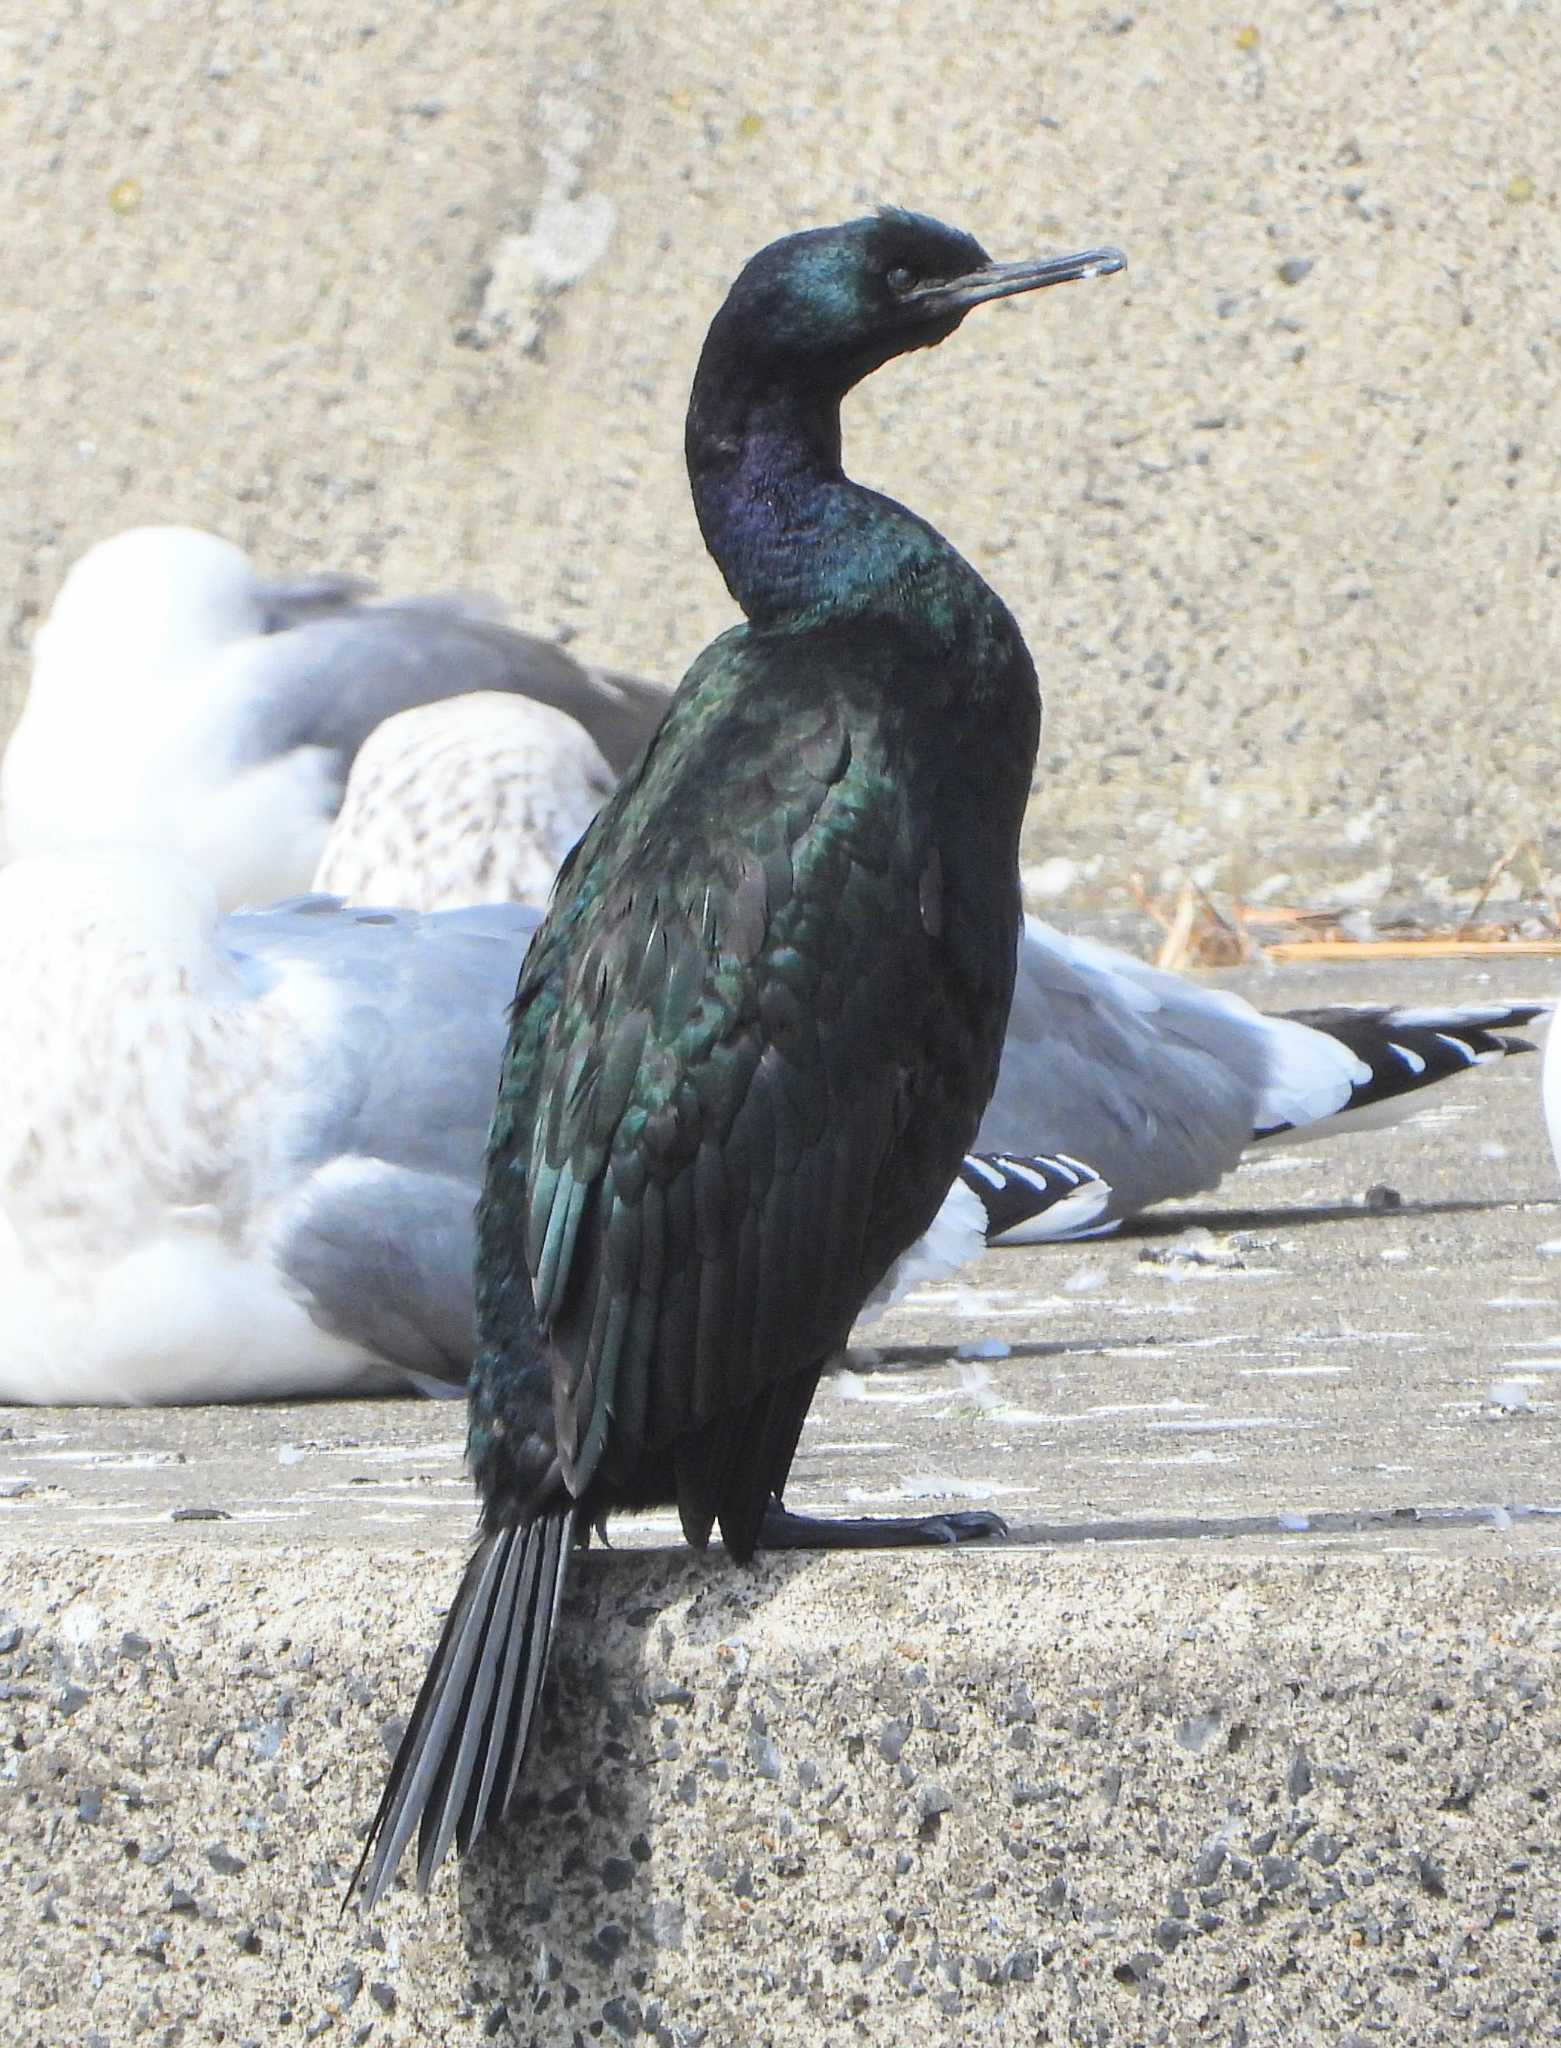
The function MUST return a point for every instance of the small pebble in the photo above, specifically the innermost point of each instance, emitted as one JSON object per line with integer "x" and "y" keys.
{"x": 1430, "y": 1875}
{"x": 891, "y": 1740}
{"x": 1197, "y": 1731}
{"x": 347, "y": 1986}
{"x": 1139, "y": 1968}
{"x": 931, "y": 1800}
{"x": 1210, "y": 1862}
{"x": 1020, "y": 1707}
{"x": 1197, "y": 1246}
{"x": 763, "y": 1755}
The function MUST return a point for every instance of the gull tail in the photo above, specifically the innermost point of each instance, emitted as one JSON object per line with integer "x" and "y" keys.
{"x": 461, "y": 1756}
{"x": 1389, "y": 1056}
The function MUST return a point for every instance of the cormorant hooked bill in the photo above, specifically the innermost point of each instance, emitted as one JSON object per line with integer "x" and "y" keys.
{"x": 754, "y": 1037}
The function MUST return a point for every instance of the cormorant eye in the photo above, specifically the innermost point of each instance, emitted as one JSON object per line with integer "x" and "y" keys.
{"x": 899, "y": 279}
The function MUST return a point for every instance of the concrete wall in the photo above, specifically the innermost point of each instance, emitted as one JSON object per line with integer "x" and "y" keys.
{"x": 419, "y": 291}
{"x": 1001, "y": 1799}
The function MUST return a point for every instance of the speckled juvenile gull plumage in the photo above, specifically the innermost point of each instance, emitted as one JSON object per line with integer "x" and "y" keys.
{"x": 181, "y": 701}
{"x": 1160, "y": 1083}
{"x": 239, "y": 1155}
{"x": 409, "y": 831}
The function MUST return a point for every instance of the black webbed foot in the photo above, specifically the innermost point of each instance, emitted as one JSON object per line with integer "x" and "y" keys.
{"x": 782, "y": 1530}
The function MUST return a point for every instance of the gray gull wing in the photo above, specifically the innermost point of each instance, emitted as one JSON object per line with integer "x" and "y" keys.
{"x": 1152, "y": 1080}
{"x": 383, "y": 1258}
{"x": 330, "y": 681}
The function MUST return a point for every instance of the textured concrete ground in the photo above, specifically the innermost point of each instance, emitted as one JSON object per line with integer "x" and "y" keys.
{"x": 420, "y": 292}
{"x": 1248, "y": 1734}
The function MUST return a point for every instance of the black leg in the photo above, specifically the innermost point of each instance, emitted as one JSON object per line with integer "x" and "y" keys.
{"x": 782, "y": 1530}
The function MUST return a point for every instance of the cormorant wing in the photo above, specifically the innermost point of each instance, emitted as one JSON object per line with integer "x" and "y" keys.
{"x": 709, "y": 1106}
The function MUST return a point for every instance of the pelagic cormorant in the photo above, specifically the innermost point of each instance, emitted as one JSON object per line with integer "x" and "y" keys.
{"x": 756, "y": 1033}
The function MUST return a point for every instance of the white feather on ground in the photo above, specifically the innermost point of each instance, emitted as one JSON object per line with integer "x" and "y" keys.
{"x": 181, "y": 701}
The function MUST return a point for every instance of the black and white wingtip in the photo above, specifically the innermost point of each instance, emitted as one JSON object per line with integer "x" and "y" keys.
{"x": 1040, "y": 1200}
{"x": 998, "y": 1198}
{"x": 1401, "y": 1051}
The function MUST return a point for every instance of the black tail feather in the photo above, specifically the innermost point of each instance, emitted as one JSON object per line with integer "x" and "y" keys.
{"x": 461, "y": 1756}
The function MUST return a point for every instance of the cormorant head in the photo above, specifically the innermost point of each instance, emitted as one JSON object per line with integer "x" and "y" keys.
{"x": 826, "y": 307}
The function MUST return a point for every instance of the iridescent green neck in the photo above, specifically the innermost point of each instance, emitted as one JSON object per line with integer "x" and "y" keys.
{"x": 796, "y": 540}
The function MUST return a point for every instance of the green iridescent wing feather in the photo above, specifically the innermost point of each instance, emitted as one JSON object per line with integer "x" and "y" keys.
{"x": 702, "y": 1091}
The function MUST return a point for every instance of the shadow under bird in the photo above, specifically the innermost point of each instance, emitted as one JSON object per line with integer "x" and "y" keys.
{"x": 754, "y": 1038}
